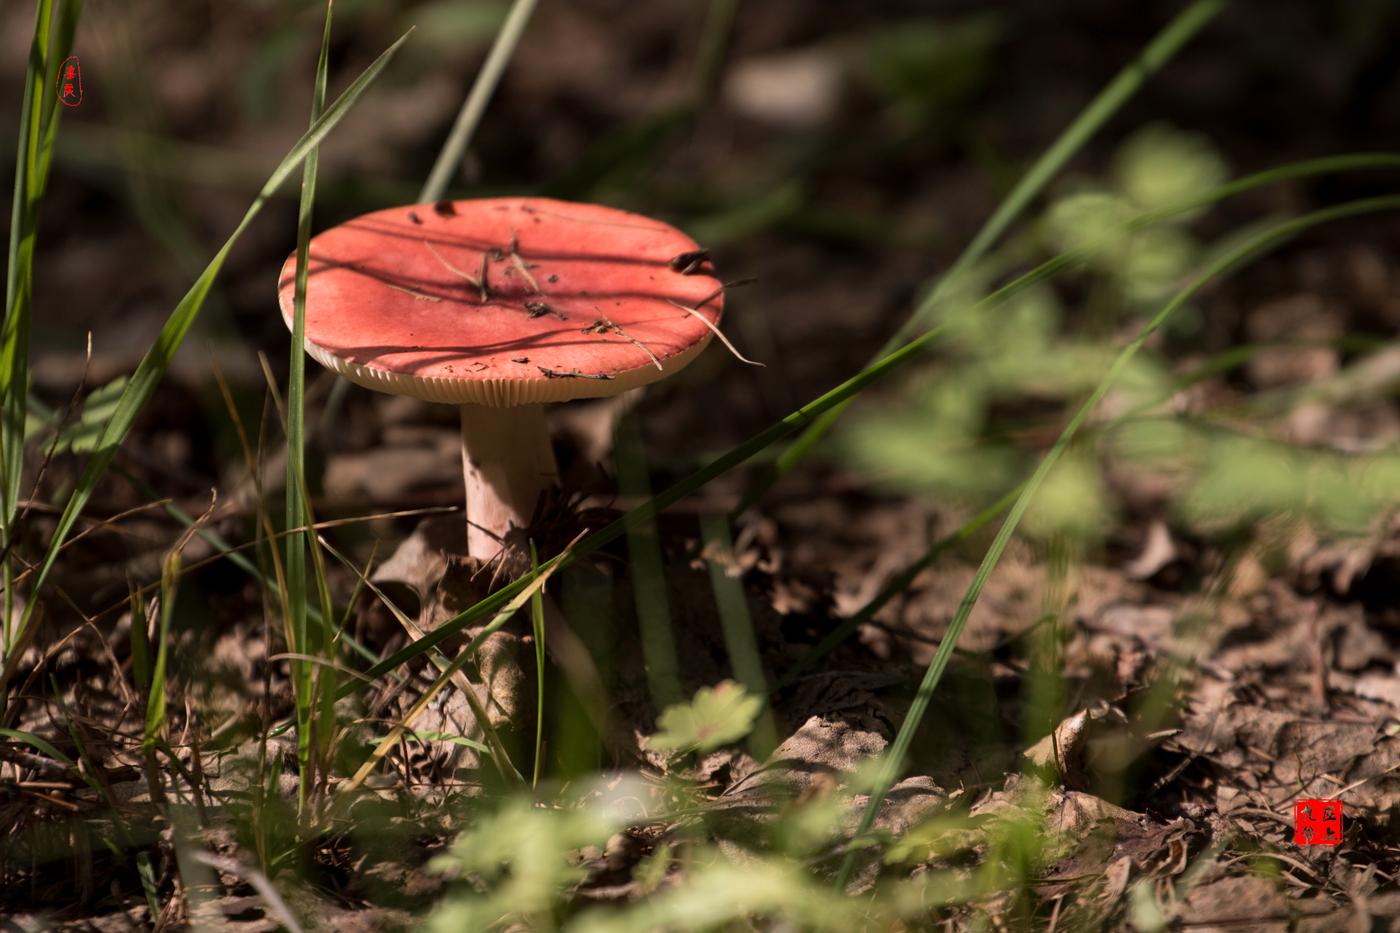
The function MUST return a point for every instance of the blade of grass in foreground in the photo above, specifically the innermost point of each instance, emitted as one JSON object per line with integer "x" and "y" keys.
{"x": 648, "y": 570}
{"x": 157, "y": 360}
{"x": 740, "y": 641}
{"x": 804, "y": 416}
{"x": 298, "y": 513}
{"x": 1250, "y": 249}
{"x": 1109, "y": 101}
{"x": 537, "y": 625}
{"x": 39, "y": 119}
{"x": 155, "y": 688}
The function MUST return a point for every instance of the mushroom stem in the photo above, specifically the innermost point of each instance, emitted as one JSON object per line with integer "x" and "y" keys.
{"x": 506, "y": 462}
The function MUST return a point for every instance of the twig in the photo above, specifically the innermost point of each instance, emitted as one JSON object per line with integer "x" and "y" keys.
{"x": 605, "y": 326}
{"x": 711, "y": 324}
{"x": 520, "y": 264}
{"x": 479, "y": 283}
{"x": 419, "y": 295}
{"x": 257, "y": 880}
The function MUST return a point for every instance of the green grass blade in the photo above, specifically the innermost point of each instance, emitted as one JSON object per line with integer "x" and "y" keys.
{"x": 298, "y": 511}
{"x": 805, "y": 415}
{"x": 737, "y": 624}
{"x": 38, "y": 130}
{"x": 1242, "y": 253}
{"x": 69, "y": 12}
{"x": 157, "y": 360}
{"x": 714, "y": 43}
{"x": 647, "y": 511}
{"x": 19, "y": 268}
{"x": 155, "y": 700}
{"x": 537, "y": 624}
{"x": 146, "y": 872}
{"x": 41, "y": 744}
{"x": 475, "y": 105}
{"x": 140, "y": 643}
{"x": 1108, "y": 102}
{"x": 648, "y": 571}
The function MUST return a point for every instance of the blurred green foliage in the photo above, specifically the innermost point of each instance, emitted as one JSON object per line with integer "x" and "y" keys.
{"x": 926, "y": 68}
{"x": 80, "y": 433}
{"x": 715, "y": 716}
{"x": 521, "y": 862}
{"x": 1155, "y": 168}
{"x": 523, "y": 855}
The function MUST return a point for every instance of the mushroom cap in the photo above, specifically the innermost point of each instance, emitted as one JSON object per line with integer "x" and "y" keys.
{"x": 578, "y": 304}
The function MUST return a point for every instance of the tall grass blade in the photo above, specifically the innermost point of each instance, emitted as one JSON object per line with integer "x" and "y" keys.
{"x": 19, "y": 272}
{"x": 737, "y": 624}
{"x": 69, "y": 12}
{"x": 297, "y": 510}
{"x": 475, "y": 105}
{"x": 1108, "y": 102}
{"x": 537, "y": 625}
{"x": 157, "y": 360}
{"x": 1242, "y": 253}
{"x": 42, "y": 745}
{"x": 155, "y": 701}
{"x": 648, "y": 571}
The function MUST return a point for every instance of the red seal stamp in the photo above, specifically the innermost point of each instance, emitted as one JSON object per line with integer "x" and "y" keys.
{"x": 1317, "y": 822}
{"x": 70, "y": 81}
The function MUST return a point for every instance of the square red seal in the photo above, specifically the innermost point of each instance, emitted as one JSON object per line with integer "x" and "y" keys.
{"x": 1317, "y": 822}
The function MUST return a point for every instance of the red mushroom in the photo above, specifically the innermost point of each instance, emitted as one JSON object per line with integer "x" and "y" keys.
{"x": 499, "y": 306}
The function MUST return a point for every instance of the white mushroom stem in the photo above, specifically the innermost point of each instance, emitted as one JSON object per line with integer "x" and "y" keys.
{"x": 506, "y": 463}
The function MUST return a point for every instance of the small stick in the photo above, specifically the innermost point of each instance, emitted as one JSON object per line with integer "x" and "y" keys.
{"x": 711, "y": 325}
{"x": 450, "y": 267}
{"x": 520, "y": 264}
{"x": 604, "y": 325}
{"x": 484, "y": 283}
{"x": 720, "y": 291}
{"x": 419, "y": 295}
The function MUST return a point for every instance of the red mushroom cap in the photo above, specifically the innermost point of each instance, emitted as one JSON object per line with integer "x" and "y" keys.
{"x": 580, "y": 300}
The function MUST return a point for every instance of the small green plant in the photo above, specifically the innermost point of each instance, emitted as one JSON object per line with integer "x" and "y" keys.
{"x": 715, "y": 716}
{"x": 1155, "y": 168}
